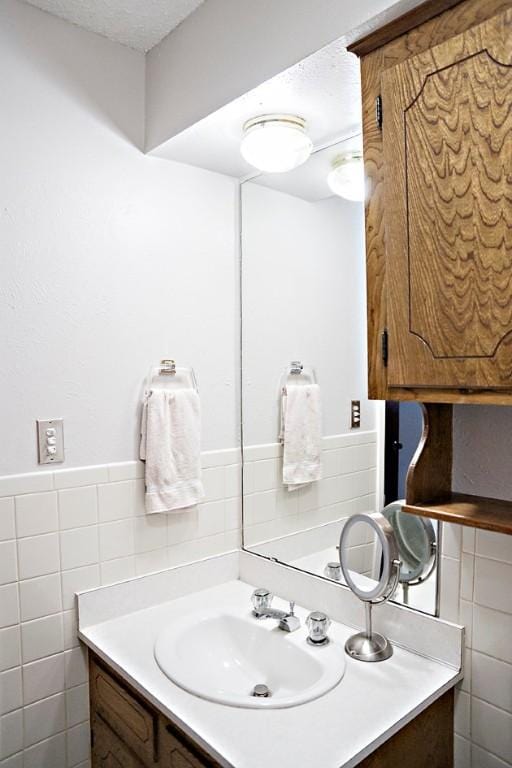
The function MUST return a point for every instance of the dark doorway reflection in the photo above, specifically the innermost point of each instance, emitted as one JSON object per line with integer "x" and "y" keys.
{"x": 404, "y": 425}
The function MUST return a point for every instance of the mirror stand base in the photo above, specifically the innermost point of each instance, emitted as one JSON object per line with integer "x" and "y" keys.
{"x": 364, "y": 647}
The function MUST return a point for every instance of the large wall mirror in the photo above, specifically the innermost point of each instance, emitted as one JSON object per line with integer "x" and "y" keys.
{"x": 316, "y": 451}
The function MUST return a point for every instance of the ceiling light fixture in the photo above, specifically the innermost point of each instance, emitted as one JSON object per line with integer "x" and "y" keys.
{"x": 275, "y": 143}
{"x": 346, "y": 178}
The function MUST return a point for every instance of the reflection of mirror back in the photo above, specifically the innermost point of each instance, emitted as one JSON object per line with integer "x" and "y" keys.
{"x": 416, "y": 539}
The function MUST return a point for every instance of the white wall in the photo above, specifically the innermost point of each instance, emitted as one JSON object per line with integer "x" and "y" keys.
{"x": 227, "y": 47}
{"x": 110, "y": 260}
{"x": 303, "y": 292}
{"x": 482, "y": 450}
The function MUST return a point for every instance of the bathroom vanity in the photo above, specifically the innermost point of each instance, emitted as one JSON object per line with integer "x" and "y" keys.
{"x": 127, "y": 730}
{"x": 375, "y": 715}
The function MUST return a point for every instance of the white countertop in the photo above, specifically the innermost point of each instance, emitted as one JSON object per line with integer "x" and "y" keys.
{"x": 370, "y": 704}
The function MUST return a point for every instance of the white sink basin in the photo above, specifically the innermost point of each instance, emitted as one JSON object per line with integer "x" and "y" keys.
{"x": 223, "y": 657}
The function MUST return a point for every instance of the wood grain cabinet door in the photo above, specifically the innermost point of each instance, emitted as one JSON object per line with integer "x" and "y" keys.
{"x": 447, "y": 134}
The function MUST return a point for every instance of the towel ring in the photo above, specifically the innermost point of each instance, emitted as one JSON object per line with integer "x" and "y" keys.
{"x": 176, "y": 378}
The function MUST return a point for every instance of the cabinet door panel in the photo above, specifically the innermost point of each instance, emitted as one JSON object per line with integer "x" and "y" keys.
{"x": 108, "y": 750}
{"x": 448, "y": 166}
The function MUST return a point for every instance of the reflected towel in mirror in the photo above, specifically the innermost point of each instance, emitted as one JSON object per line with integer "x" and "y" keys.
{"x": 301, "y": 420}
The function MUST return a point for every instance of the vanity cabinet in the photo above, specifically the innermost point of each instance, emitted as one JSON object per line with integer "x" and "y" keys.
{"x": 437, "y": 124}
{"x": 128, "y": 732}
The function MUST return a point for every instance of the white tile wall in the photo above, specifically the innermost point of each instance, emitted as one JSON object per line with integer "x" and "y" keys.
{"x": 70, "y": 530}
{"x": 348, "y": 485}
{"x": 476, "y": 579}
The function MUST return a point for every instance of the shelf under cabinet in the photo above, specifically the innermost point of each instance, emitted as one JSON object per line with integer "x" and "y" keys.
{"x": 464, "y": 509}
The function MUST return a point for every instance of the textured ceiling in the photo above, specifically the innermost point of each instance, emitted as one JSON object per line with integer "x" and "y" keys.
{"x": 324, "y": 89}
{"x": 140, "y": 24}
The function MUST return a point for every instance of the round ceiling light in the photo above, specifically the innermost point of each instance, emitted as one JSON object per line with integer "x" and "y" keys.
{"x": 275, "y": 143}
{"x": 346, "y": 178}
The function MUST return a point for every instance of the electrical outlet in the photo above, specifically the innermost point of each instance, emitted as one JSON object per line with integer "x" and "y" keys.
{"x": 355, "y": 414}
{"x": 50, "y": 441}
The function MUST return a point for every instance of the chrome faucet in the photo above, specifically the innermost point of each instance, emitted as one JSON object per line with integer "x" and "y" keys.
{"x": 262, "y": 609}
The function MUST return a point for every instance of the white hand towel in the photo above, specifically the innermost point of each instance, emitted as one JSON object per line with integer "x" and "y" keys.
{"x": 301, "y": 427}
{"x": 170, "y": 446}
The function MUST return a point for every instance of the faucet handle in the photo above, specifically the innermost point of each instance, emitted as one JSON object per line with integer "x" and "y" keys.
{"x": 318, "y": 624}
{"x": 261, "y": 600}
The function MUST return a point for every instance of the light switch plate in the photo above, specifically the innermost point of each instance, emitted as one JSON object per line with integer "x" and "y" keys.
{"x": 50, "y": 441}
{"x": 355, "y": 414}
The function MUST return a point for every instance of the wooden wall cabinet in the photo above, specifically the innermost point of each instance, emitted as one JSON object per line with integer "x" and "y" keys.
{"x": 437, "y": 123}
{"x": 437, "y": 132}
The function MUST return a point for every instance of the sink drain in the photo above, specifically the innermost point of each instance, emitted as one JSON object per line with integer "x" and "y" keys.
{"x": 261, "y": 691}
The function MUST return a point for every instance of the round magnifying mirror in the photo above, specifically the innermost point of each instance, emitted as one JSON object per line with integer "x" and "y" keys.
{"x": 371, "y": 566}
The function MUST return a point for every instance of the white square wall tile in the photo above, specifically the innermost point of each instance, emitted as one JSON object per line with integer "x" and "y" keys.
{"x": 492, "y": 584}
{"x": 213, "y": 483}
{"x": 79, "y": 547}
{"x": 151, "y": 562}
{"x": 452, "y": 540}
{"x": 232, "y": 514}
{"x": 467, "y": 576}
{"x": 267, "y": 475}
{"x": 15, "y": 761}
{"x": 44, "y": 719}
{"x": 11, "y": 733}
{"x": 76, "y": 668}
{"x": 449, "y": 589}
{"x": 483, "y": 759}
{"x": 491, "y": 728}
{"x": 40, "y": 597}
{"x": 38, "y": 555}
{"x": 232, "y": 480}
{"x": 50, "y": 752}
{"x": 36, "y": 513}
{"x": 466, "y": 618}
{"x": 462, "y": 715}
{"x": 494, "y": 545}
{"x": 77, "y": 705}
{"x": 150, "y": 532}
{"x": 78, "y": 744}
{"x": 468, "y": 540}
{"x": 78, "y": 580}
{"x": 43, "y": 678}
{"x": 462, "y": 752}
{"x": 492, "y": 680}
{"x": 117, "y": 501}
{"x": 182, "y": 526}
{"x": 259, "y": 507}
{"x": 70, "y": 626}
{"x": 7, "y": 525}
{"x": 120, "y": 569}
{"x": 211, "y": 518}
{"x": 77, "y": 507}
{"x": 11, "y": 697}
{"x": 116, "y": 539}
{"x": 492, "y": 631}
{"x": 9, "y": 611}
{"x": 42, "y": 637}
{"x": 10, "y": 648}
{"x": 8, "y": 562}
